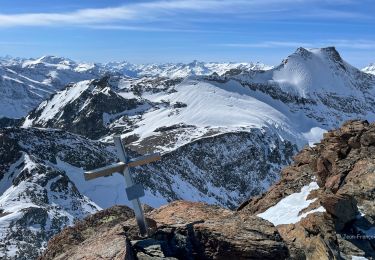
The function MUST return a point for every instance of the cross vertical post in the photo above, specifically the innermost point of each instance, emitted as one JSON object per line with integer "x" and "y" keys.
{"x": 137, "y": 207}
{"x": 133, "y": 191}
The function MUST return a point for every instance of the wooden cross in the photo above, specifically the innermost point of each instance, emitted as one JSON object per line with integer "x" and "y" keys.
{"x": 133, "y": 191}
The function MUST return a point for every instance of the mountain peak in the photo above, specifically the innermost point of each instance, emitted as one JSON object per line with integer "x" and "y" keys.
{"x": 330, "y": 52}
{"x": 51, "y": 59}
{"x": 310, "y": 72}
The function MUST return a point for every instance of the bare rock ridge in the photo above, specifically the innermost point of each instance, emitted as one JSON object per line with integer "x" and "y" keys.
{"x": 330, "y": 187}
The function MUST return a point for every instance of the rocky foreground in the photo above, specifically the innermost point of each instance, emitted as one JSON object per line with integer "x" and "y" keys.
{"x": 322, "y": 208}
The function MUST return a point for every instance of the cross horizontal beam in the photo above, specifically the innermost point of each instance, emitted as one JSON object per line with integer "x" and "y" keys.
{"x": 105, "y": 171}
{"x": 144, "y": 160}
{"x": 120, "y": 167}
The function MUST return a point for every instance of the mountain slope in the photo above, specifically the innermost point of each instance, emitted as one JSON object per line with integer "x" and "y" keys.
{"x": 37, "y": 199}
{"x": 84, "y": 108}
{"x": 42, "y": 188}
{"x": 310, "y": 72}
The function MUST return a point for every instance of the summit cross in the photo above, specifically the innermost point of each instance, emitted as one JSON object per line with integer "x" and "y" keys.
{"x": 133, "y": 191}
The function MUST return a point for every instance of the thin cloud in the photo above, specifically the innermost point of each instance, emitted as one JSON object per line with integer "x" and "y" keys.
{"x": 349, "y": 44}
{"x": 145, "y": 29}
{"x": 164, "y": 10}
{"x": 265, "y": 44}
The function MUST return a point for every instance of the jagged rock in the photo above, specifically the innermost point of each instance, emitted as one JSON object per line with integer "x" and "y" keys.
{"x": 342, "y": 206}
{"x": 99, "y": 236}
{"x": 312, "y": 238}
{"x": 343, "y": 165}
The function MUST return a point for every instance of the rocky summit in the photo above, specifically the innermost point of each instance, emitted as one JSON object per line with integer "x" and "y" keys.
{"x": 322, "y": 208}
{"x": 180, "y": 230}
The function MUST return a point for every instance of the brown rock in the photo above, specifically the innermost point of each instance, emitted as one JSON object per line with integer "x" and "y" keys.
{"x": 99, "y": 236}
{"x": 354, "y": 142}
{"x": 185, "y": 230}
{"x": 304, "y": 157}
{"x": 222, "y": 234}
{"x": 182, "y": 212}
{"x": 333, "y": 182}
{"x": 312, "y": 238}
{"x": 360, "y": 183}
{"x": 353, "y": 126}
{"x": 324, "y": 167}
{"x": 368, "y": 138}
{"x": 344, "y": 166}
{"x": 342, "y": 206}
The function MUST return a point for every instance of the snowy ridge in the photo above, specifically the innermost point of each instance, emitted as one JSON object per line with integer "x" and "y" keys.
{"x": 369, "y": 69}
{"x": 52, "y": 108}
{"x": 176, "y": 70}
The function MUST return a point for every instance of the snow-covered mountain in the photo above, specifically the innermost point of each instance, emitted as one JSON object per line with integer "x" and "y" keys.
{"x": 224, "y": 136}
{"x": 369, "y": 69}
{"x": 24, "y": 83}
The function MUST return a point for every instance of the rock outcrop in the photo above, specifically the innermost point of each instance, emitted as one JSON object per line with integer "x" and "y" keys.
{"x": 343, "y": 165}
{"x": 180, "y": 230}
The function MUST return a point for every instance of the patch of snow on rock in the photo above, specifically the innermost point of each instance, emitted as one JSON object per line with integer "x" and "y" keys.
{"x": 286, "y": 211}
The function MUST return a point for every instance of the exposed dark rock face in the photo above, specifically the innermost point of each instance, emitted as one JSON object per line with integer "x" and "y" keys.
{"x": 241, "y": 163}
{"x": 89, "y": 114}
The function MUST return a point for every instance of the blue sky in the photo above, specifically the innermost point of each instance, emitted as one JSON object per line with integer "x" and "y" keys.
{"x": 184, "y": 30}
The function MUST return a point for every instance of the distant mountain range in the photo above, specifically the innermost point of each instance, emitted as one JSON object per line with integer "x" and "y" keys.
{"x": 25, "y": 83}
{"x": 225, "y": 130}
